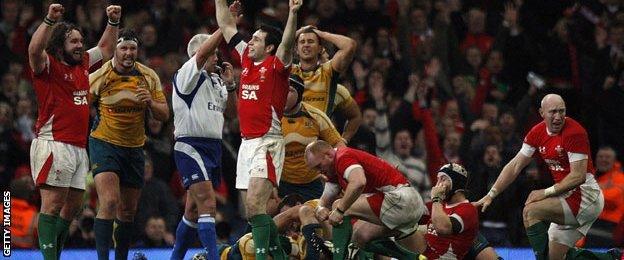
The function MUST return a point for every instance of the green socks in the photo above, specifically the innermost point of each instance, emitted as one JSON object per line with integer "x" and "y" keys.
{"x": 47, "y": 235}
{"x": 62, "y": 232}
{"x": 276, "y": 248}
{"x": 122, "y": 236}
{"x": 387, "y": 247}
{"x": 264, "y": 233}
{"x": 103, "y": 233}
{"x": 341, "y": 236}
{"x": 538, "y": 237}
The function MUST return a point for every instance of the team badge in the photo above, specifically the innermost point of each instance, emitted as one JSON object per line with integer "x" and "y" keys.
{"x": 559, "y": 150}
{"x": 262, "y": 71}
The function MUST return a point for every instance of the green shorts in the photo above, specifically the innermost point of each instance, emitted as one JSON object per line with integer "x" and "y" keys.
{"x": 478, "y": 245}
{"x": 127, "y": 162}
{"x": 308, "y": 191}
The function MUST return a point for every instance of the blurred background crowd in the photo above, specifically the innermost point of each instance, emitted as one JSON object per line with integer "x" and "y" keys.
{"x": 473, "y": 58}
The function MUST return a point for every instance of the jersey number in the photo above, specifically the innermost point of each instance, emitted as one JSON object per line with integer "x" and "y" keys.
{"x": 80, "y": 100}
{"x": 249, "y": 94}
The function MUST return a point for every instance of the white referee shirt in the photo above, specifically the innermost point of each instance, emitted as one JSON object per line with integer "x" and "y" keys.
{"x": 198, "y": 101}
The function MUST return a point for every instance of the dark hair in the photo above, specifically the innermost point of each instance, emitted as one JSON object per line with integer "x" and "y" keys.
{"x": 309, "y": 30}
{"x": 290, "y": 200}
{"x": 273, "y": 36}
{"x": 56, "y": 43}
{"x": 128, "y": 34}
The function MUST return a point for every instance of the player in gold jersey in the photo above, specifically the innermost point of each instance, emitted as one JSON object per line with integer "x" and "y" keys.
{"x": 321, "y": 77}
{"x": 125, "y": 93}
{"x": 289, "y": 221}
{"x": 301, "y": 125}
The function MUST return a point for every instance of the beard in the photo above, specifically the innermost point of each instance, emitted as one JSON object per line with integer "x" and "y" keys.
{"x": 69, "y": 59}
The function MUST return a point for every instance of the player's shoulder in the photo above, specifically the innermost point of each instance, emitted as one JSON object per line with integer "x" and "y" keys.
{"x": 326, "y": 66}
{"x": 573, "y": 127}
{"x": 466, "y": 207}
{"x": 539, "y": 128}
{"x": 313, "y": 111}
{"x": 97, "y": 77}
{"x": 342, "y": 91}
{"x": 145, "y": 70}
{"x": 536, "y": 133}
{"x": 295, "y": 68}
{"x": 343, "y": 151}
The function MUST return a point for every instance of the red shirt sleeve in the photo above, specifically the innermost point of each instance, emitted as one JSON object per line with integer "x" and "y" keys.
{"x": 343, "y": 161}
{"x": 469, "y": 216}
{"x": 531, "y": 138}
{"x": 576, "y": 142}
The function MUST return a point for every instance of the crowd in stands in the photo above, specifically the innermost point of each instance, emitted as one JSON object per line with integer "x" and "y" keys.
{"x": 436, "y": 81}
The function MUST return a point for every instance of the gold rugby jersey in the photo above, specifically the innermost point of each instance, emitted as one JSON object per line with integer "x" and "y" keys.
{"x": 299, "y": 130}
{"x": 247, "y": 250}
{"x": 322, "y": 89}
{"x": 120, "y": 115}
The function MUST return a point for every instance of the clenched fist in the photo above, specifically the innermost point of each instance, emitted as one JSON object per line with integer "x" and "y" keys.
{"x": 55, "y": 12}
{"x": 114, "y": 13}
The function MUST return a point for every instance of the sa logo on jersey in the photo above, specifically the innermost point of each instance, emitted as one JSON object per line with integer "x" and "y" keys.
{"x": 249, "y": 91}
{"x": 80, "y": 97}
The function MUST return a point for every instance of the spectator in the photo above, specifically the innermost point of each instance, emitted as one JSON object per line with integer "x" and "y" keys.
{"x": 24, "y": 217}
{"x": 413, "y": 168}
{"x": 610, "y": 177}
{"x": 12, "y": 153}
{"x": 159, "y": 146}
{"x": 494, "y": 221}
{"x": 476, "y": 34}
{"x": 155, "y": 234}
{"x": 364, "y": 138}
{"x": 81, "y": 233}
{"x": 156, "y": 200}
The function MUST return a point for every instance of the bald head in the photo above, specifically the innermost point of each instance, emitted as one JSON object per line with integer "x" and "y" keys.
{"x": 553, "y": 111}
{"x": 317, "y": 147}
{"x": 319, "y": 156}
{"x": 552, "y": 99}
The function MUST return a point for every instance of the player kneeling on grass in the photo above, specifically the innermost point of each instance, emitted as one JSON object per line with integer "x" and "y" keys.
{"x": 374, "y": 192}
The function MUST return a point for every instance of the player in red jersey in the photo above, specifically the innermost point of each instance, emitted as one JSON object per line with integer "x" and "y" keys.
{"x": 374, "y": 191}
{"x": 265, "y": 61}
{"x": 58, "y": 158}
{"x": 453, "y": 222}
{"x": 556, "y": 217}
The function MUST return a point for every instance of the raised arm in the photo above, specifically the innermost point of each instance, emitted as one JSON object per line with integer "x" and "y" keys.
{"x": 225, "y": 20}
{"x": 37, "y": 56}
{"x": 346, "y": 49}
{"x": 208, "y": 48}
{"x": 108, "y": 41}
{"x": 228, "y": 78}
{"x": 285, "y": 49}
{"x": 354, "y": 119}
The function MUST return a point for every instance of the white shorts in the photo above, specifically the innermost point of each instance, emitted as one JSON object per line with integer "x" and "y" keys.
{"x": 261, "y": 157}
{"x": 581, "y": 207}
{"x": 58, "y": 164}
{"x": 399, "y": 209}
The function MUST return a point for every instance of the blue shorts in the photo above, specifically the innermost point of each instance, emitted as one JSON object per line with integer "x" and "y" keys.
{"x": 198, "y": 159}
{"x": 127, "y": 162}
